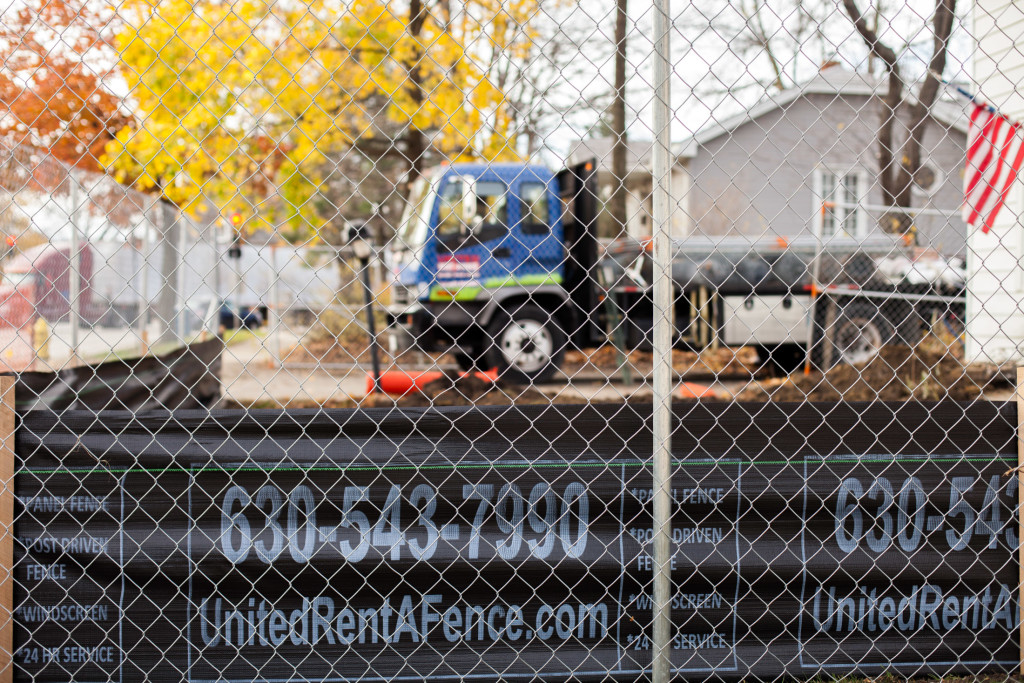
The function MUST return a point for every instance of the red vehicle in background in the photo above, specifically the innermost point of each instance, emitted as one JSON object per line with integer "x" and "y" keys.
{"x": 37, "y": 283}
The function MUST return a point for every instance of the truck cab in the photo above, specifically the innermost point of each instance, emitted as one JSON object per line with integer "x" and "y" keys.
{"x": 486, "y": 261}
{"x": 499, "y": 264}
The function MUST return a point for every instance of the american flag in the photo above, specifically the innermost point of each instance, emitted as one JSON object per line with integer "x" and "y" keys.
{"x": 995, "y": 151}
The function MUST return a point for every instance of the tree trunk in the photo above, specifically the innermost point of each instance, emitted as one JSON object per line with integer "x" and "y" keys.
{"x": 897, "y": 173}
{"x": 415, "y": 140}
{"x": 617, "y": 202}
{"x": 910, "y": 161}
{"x": 890, "y": 105}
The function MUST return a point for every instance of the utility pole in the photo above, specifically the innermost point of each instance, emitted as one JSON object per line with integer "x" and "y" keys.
{"x": 181, "y": 281}
{"x": 143, "y": 312}
{"x": 617, "y": 201}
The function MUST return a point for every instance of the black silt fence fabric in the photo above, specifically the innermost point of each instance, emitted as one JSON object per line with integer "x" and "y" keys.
{"x": 479, "y": 544}
{"x": 187, "y": 378}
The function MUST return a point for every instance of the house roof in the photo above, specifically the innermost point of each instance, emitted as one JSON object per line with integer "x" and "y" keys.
{"x": 638, "y": 152}
{"x": 834, "y": 80}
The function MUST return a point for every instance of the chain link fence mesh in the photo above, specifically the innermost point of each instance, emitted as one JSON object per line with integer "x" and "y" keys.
{"x": 371, "y": 288}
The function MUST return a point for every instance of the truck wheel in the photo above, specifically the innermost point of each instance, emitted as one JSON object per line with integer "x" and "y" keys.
{"x": 526, "y": 346}
{"x": 782, "y": 358}
{"x": 860, "y": 333}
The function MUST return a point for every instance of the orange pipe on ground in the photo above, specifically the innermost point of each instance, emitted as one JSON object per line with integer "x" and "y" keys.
{"x": 691, "y": 390}
{"x": 400, "y": 383}
{"x": 486, "y": 375}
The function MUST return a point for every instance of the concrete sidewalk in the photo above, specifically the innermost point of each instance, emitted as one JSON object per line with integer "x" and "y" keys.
{"x": 249, "y": 374}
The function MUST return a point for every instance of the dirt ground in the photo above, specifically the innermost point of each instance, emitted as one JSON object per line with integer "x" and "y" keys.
{"x": 333, "y": 351}
{"x": 897, "y": 373}
{"x": 722, "y": 362}
{"x": 352, "y": 347}
{"x": 351, "y": 350}
{"x": 927, "y": 372}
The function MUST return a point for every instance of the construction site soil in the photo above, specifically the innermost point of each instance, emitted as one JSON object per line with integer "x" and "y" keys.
{"x": 897, "y": 373}
{"x": 722, "y": 363}
{"x": 331, "y": 351}
{"x": 466, "y": 390}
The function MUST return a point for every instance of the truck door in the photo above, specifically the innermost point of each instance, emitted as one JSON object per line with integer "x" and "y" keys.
{"x": 539, "y": 253}
{"x": 474, "y": 246}
{"x": 578, "y": 189}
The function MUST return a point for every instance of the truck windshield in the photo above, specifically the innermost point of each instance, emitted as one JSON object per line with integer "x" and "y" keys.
{"x": 416, "y": 218}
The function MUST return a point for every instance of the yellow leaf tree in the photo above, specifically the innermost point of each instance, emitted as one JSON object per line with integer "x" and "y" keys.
{"x": 239, "y": 103}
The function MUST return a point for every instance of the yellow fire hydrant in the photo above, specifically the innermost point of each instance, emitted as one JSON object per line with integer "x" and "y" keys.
{"x": 41, "y": 338}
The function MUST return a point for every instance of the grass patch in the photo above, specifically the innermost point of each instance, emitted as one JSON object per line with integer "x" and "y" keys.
{"x": 242, "y": 335}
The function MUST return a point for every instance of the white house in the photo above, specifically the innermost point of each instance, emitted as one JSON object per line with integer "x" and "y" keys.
{"x": 995, "y": 284}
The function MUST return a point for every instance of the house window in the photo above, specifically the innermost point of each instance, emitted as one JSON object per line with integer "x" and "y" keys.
{"x": 841, "y": 195}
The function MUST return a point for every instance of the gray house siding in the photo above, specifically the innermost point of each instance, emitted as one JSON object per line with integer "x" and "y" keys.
{"x": 639, "y": 209}
{"x": 946, "y": 149}
{"x": 759, "y": 179}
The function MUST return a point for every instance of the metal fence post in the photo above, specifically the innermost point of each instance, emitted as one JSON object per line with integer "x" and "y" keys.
{"x": 143, "y": 312}
{"x": 75, "y": 270}
{"x": 7, "y": 531}
{"x": 275, "y": 322}
{"x": 166, "y": 297}
{"x": 662, "y": 408}
{"x": 180, "y": 280}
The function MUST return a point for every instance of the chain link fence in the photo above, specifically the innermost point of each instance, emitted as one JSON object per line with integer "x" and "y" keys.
{"x": 511, "y": 339}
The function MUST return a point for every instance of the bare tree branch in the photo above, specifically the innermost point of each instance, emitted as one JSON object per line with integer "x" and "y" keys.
{"x": 874, "y": 43}
{"x": 764, "y": 41}
{"x": 945, "y": 14}
{"x": 888, "y": 169}
{"x": 897, "y": 174}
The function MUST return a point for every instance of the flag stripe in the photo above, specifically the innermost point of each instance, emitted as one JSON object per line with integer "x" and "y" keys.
{"x": 1005, "y": 191}
{"x": 987, "y": 141}
{"x": 989, "y": 181}
{"x": 983, "y": 153}
{"x": 995, "y": 153}
{"x": 974, "y": 131}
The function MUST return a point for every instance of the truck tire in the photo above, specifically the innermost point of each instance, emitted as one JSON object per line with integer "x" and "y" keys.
{"x": 527, "y": 345}
{"x": 469, "y": 349}
{"x": 860, "y": 332}
{"x": 781, "y": 359}
{"x": 470, "y": 360}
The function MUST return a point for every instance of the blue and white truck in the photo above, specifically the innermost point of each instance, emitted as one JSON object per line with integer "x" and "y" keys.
{"x": 500, "y": 265}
